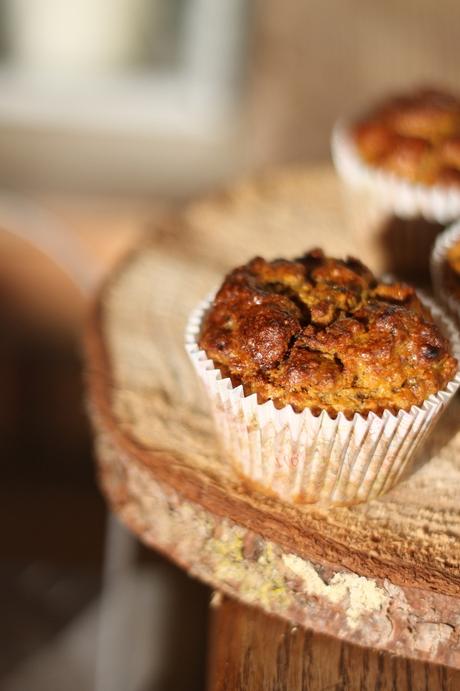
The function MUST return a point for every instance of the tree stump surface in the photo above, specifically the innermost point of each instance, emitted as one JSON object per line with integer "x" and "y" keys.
{"x": 384, "y": 574}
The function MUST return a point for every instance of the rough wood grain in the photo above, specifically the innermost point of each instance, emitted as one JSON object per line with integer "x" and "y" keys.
{"x": 251, "y": 651}
{"x": 158, "y": 450}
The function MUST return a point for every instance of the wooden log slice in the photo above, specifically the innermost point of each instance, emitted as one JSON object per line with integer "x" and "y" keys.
{"x": 386, "y": 573}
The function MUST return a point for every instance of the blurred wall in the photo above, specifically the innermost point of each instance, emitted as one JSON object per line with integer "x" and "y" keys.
{"x": 312, "y": 60}
{"x": 291, "y": 68}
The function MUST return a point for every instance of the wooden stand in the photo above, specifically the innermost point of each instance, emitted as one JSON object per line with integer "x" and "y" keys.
{"x": 385, "y": 574}
{"x": 253, "y": 651}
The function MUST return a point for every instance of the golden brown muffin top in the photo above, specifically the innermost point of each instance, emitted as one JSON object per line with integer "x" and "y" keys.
{"x": 324, "y": 334}
{"x": 416, "y": 137}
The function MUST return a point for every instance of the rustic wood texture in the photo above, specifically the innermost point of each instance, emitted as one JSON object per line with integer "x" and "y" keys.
{"x": 386, "y": 573}
{"x": 250, "y": 650}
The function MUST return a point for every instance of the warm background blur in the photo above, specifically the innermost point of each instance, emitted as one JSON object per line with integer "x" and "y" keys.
{"x": 170, "y": 96}
{"x": 110, "y": 110}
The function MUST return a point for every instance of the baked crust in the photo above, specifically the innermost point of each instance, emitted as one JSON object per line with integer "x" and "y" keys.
{"x": 416, "y": 137}
{"x": 324, "y": 334}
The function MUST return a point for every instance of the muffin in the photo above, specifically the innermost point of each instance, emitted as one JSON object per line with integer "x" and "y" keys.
{"x": 445, "y": 269}
{"x": 401, "y": 167}
{"x": 416, "y": 138}
{"x": 322, "y": 379}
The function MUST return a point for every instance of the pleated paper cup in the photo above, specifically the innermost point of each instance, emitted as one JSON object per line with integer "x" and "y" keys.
{"x": 394, "y": 221}
{"x": 445, "y": 241}
{"x": 302, "y": 457}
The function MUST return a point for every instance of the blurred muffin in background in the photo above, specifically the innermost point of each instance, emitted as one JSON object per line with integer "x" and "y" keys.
{"x": 400, "y": 163}
{"x": 445, "y": 269}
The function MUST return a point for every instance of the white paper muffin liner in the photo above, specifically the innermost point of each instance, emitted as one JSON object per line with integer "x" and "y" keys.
{"x": 400, "y": 197}
{"x": 315, "y": 459}
{"x": 442, "y": 245}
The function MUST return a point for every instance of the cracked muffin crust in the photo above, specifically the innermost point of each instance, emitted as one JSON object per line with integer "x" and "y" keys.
{"x": 324, "y": 334}
{"x": 415, "y": 136}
